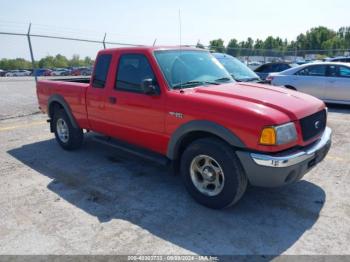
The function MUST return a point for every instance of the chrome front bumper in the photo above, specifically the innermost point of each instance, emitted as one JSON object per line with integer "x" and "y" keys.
{"x": 289, "y": 159}
{"x": 281, "y": 169}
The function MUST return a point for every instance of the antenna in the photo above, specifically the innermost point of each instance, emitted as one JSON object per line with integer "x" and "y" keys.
{"x": 180, "y": 28}
{"x": 180, "y": 39}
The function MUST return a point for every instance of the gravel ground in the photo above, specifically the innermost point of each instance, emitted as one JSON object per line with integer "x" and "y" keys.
{"x": 98, "y": 200}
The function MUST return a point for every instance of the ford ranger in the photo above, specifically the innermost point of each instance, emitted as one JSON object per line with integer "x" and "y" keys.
{"x": 180, "y": 106}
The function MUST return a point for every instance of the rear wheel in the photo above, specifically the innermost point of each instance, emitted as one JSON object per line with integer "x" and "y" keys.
{"x": 212, "y": 173}
{"x": 67, "y": 136}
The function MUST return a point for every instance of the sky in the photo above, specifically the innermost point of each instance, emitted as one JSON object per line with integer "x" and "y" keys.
{"x": 141, "y": 22}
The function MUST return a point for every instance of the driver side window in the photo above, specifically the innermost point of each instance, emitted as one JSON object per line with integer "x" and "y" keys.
{"x": 132, "y": 70}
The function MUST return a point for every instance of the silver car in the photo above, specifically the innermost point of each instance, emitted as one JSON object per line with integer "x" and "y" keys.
{"x": 327, "y": 81}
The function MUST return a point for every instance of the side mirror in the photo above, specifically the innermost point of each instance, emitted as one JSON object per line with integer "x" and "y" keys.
{"x": 149, "y": 87}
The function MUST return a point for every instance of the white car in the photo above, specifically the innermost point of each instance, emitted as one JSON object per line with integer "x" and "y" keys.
{"x": 253, "y": 65}
{"x": 328, "y": 81}
{"x": 17, "y": 73}
{"x": 60, "y": 72}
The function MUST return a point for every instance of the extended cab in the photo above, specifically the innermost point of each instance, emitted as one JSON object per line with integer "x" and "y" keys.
{"x": 180, "y": 105}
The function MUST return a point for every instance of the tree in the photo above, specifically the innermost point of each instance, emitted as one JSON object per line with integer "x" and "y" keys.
{"x": 259, "y": 44}
{"x": 47, "y": 62}
{"x": 249, "y": 43}
{"x": 233, "y": 47}
{"x": 88, "y": 61}
{"x": 344, "y": 33}
{"x": 217, "y": 45}
{"x": 11, "y": 64}
{"x": 60, "y": 61}
{"x": 332, "y": 44}
{"x": 199, "y": 45}
{"x": 315, "y": 37}
{"x": 75, "y": 61}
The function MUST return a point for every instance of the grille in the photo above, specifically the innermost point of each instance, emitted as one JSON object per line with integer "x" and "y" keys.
{"x": 313, "y": 125}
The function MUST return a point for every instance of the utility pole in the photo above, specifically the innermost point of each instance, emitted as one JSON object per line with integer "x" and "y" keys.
{"x": 31, "y": 52}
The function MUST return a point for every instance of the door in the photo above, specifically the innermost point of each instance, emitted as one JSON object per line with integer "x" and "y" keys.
{"x": 134, "y": 116}
{"x": 311, "y": 80}
{"x": 96, "y": 93}
{"x": 338, "y": 83}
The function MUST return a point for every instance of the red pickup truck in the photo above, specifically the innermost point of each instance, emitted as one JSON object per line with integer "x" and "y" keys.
{"x": 180, "y": 106}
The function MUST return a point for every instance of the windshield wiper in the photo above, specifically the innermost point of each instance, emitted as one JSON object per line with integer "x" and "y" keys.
{"x": 223, "y": 79}
{"x": 193, "y": 83}
{"x": 253, "y": 79}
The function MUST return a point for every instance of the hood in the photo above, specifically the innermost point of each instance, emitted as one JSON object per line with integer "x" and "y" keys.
{"x": 292, "y": 103}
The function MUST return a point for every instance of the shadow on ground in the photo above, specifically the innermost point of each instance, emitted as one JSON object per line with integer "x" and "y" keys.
{"x": 116, "y": 186}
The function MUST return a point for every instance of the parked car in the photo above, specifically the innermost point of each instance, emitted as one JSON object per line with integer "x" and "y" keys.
{"x": 17, "y": 73}
{"x": 253, "y": 65}
{"x": 2, "y": 72}
{"x": 85, "y": 71}
{"x": 48, "y": 72}
{"x": 59, "y": 72}
{"x": 181, "y": 108}
{"x": 264, "y": 70}
{"x": 42, "y": 72}
{"x": 343, "y": 59}
{"x": 239, "y": 71}
{"x": 327, "y": 81}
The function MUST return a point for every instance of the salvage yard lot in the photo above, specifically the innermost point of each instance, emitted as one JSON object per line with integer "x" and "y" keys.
{"x": 100, "y": 201}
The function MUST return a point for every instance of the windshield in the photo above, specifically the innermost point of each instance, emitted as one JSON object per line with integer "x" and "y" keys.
{"x": 237, "y": 69}
{"x": 188, "y": 68}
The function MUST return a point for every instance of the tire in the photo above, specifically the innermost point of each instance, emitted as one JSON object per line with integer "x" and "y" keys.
{"x": 72, "y": 138}
{"x": 223, "y": 159}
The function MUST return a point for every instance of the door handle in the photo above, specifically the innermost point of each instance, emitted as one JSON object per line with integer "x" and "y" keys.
{"x": 112, "y": 100}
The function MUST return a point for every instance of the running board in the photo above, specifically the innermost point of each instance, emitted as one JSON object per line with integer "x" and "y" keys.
{"x": 131, "y": 149}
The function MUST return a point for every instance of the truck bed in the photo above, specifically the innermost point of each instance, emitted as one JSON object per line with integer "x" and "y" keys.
{"x": 71, "y": 90}
{"x": 84, "y": 80}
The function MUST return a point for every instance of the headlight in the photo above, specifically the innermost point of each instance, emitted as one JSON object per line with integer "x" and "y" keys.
{"x": 278, "y": 135}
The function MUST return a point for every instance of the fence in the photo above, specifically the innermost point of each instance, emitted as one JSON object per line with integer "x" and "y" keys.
{"x": 244, "y": 54}
{"x": 272, "y": 55}
{"x": 29, "y": 37}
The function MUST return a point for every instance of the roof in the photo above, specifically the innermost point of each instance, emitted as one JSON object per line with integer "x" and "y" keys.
{"x": 151, "y": 48}
{"x": 300, "y": 67}
{"x": 327, "y": 63}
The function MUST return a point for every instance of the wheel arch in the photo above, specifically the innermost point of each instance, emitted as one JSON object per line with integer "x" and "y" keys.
{"x": 193, "y": 130}
{"x": 58, "y": 101}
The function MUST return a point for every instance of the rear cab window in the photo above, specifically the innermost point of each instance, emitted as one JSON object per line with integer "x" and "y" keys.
{"x": 101, "y": 70}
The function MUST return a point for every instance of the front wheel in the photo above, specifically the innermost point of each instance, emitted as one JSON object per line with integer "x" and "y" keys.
{"x": 67, "y": 136}
{"x": 212, "y": 173}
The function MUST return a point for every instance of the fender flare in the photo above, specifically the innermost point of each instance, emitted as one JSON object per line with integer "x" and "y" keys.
{"x": 203, "y": 126}
{"x": 59, "y": 99}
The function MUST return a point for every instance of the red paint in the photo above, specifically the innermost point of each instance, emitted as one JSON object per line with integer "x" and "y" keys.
{"x": 145, "y": 120}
